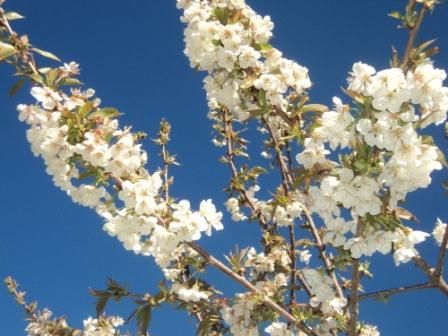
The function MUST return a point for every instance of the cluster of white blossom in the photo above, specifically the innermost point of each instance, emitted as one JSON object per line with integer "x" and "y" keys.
{"x": 75, "y": 138}
{"x": 238, "y": 316}
{"x": 372, "y": 241}
{"x": 402, "y": 240}
{"x": 233, "y": 207}
{"x": 404, "y": 244}
{"x": 281, "y": 329}
{"x": 104, "y": 326}
{"x": 391, "y": 124}
{"x": 334, "y": 127}
{"x": 386, "y": 126}
{"x": 369, "y": 330}
{"x": 285, "y": 215}
{"x": 247, "y": 77}
{"x": 265, "y": 263}
{"x": 193, "y": 294}
{"x": 324, "y": 295}
{"x": 229, "y": 40}
{"x": 42, "y": 324}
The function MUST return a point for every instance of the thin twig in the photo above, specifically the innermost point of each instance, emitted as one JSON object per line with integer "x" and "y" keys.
{"x": 442, "y": 254}
{"x": 389, "y": 292}
{"x": 323, "y": 255}
{"x": 287, "y": 178}
{"x": 243, "y": 281}
{"x": 15, "y": 40}
{"x": 284, "y": 171}
{"x": 320, "y": 245}
{"x": 4, "y": 21}
{"x": 165, "y": 173}
{"x": 292, "y": 253}
{"x": 231, "y": 162}
{"x": 437, "y": 281}
{"x": 413, "y": 35}
{"x": 353, "y": 302}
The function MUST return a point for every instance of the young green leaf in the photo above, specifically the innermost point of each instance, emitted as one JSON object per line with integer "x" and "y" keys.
{"x": 11, "y": 16}
{"x": 46, "y": 54}
{"x": 143, "y": 318}
{"x": 16, "y": 87}
{"x": 6, "y": 50}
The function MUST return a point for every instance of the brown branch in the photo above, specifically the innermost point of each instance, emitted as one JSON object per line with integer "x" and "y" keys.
{"x": 26, "y": 54}
{"x": 353, "y": 303}
{"x": 287, "y": 179}
{"x": 413, "y": 35}
{"x": 356, "y": 277}
{"x": 436, "y": 281}
{"x": 321, "y": 247}
{"x": 5, "y": 23}
{"x": 287, "y": 182}
{"x": 166, "y": 174}
{"x": 231, "y": 162}
{"x": 243, "y": 281}
{"x": 388, "y": 292}
{"x": 292, "y": 253}
{"x": 287, "y": 175}
{"x": 442, "y": 254}
{"x": 284, "y": 171}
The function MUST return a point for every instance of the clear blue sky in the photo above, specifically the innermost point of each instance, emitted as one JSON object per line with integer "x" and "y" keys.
{"x": 131, "y": 53}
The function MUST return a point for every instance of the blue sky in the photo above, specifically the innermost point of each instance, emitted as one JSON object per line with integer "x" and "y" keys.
{"x": 131, "y": 53}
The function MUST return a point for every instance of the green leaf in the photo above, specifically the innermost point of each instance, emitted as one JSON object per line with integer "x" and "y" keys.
{"x": 424, "y": 45}
{"x": 6, "y": 50}
{"x": 445, "y": 185}
{"x": 396, "y": 15}
{"x": 206, "y": 324}
{"x": 116, "y": 289}
{"x": 11, "y": 16}
{"x": 101, "y": 304}
{"x": 222, "y": 14}
{"x": 70, "y": 81}
{"x": 47, "y": 54}
{"x": 109, "y": 112}
{"x": 261, "y": 97}
{"x": 36, "y": 78}
{"x": 103, "y": 298}
{"x": 85, "y": 109}
{"x": 51, "y": 76}
{"x": 256, "y": 113}
{"x": 143, "y": 318}
{"x": 16, "y": 87}
{"x": 264, "y": 46}
{"x": 317, "y": 108}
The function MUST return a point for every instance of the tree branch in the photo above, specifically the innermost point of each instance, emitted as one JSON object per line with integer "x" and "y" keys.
{"x": 321, "y": 247}
{"x": 389, "y": 292}
{"x": 231, "y": 162}
{"x": 243, "y": 281}
{"x": 442, "y": 254}
{"x": 353, "y": 302}
{"x": 413, "y": 35}
{"x": 436, "y": 281}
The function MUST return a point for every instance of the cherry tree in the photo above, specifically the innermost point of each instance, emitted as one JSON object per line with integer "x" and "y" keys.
{"x": 342, "y": 174}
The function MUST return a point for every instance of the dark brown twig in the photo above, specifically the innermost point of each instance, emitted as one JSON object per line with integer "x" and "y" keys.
{"x": 442, "y": 254}
{"x": 413, "y": 35}
{"x": 385, "y": 293}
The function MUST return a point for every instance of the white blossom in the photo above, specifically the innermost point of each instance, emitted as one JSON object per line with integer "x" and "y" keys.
{"x": 439, "y": 232}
